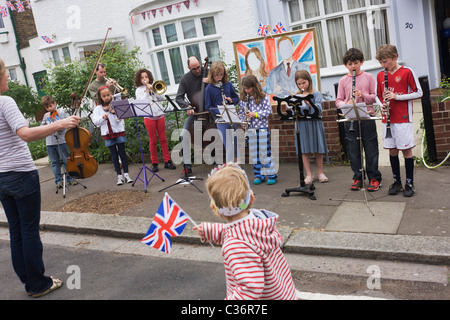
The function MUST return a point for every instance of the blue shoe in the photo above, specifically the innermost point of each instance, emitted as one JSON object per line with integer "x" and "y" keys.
{"x": 257, "y": 181}
{"x": 272, "y": 181}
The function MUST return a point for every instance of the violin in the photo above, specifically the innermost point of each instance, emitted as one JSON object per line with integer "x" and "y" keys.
{"x": 81, "y": 164}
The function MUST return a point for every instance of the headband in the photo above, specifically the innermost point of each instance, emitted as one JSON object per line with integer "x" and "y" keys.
{"x": 227, "y": 211}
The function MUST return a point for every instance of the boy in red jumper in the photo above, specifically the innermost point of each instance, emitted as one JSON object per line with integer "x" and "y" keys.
{"x": 255, "y": 267}
{"x": 403, "y": 88}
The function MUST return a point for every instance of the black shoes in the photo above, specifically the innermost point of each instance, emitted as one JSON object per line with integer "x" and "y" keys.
{"x": 409, "y": 190}
{"x": 396, "y": 187}
{"x": 169, "y": 165}
{"x": 186, "y": 172}
{"x": 155, "y": 167}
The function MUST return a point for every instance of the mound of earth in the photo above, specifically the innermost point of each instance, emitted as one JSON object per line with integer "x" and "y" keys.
{"x": 108, "y": 202}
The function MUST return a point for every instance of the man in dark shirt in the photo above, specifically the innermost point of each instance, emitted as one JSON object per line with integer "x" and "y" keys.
{"x": 190, "y": 87}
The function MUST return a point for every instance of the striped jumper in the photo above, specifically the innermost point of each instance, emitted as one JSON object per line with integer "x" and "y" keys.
{"x": 255, "y": 267}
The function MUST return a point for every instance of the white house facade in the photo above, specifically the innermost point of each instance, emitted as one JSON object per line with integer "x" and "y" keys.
{"x": 168, "y": 32}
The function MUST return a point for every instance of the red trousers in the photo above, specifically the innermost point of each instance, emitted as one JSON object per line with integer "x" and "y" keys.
{"x": 157, "y": 127}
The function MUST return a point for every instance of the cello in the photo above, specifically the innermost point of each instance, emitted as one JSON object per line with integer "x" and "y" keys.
{"x": 81, "y": 164}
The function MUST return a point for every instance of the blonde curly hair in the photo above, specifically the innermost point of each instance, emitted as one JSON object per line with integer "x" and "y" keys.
{"x": 227, "y": 186}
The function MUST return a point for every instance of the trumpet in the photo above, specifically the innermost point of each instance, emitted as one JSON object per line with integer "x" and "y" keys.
{"x": 122, "y": 90}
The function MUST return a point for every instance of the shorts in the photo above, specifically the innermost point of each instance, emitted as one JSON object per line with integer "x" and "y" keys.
{"x": 402, "y": 136}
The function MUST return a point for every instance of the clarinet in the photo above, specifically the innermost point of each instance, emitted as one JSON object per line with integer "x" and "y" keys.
{"x": 352, "y": 129}
{"x": 388, "y": 120}
{"x": 246, "y": 110}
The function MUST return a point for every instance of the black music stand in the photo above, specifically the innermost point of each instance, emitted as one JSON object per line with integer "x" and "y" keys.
{"x": 132, "y": 109}
{"x": 296, "y": 114}
{"x": 185, "y": 179}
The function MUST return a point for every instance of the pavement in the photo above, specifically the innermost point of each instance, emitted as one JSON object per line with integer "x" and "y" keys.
{"x": 338, "y": 223}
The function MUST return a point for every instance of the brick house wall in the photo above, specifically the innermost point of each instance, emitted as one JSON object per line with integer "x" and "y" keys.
{"x": 441, "y": 122}
{"x": 287, "y": 133}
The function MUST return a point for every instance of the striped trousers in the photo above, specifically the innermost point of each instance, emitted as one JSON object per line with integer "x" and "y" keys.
{"x": 260, "y": 154}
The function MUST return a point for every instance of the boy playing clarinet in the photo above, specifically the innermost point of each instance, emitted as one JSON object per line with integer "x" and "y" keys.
{"x": 397, "y": 106}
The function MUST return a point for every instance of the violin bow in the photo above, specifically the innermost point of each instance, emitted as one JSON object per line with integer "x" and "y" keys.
{"x": 102, "y": 48}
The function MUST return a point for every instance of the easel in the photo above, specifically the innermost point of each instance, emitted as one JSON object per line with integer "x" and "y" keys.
{"x": 358, "y": 112}
{"x": 296, "y": 114}
{"x": 132, "y": 109}
{"x": 185, "y": 178}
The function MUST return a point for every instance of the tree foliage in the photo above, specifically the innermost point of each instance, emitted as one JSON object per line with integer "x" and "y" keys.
{"x": 73, "y": 75}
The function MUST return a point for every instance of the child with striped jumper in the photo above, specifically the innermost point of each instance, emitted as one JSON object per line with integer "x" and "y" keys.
{"x": 255, "y": 267}
{"x": 255, "y": 108}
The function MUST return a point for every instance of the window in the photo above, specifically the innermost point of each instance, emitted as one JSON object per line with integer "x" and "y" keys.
{"x": 66, "y": 53}
{"x": 172, "y": 43}
{"x": 12, "y": 74}
{"x": 342, "y": 24}
{"x": 56, "y": 56}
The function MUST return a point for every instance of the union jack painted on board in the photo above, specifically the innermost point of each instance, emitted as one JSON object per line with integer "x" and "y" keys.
{"x": 279, "y": 28}
{"x": 169, "y": 221}
{"x": 263, "y": 30}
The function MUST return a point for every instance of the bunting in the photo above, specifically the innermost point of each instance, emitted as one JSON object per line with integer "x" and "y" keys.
{"x": 161, "y": 10}
{"x": 20, "y": 6}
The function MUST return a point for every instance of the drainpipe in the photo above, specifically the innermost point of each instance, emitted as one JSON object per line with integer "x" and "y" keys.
{"x": 22, "y": 60}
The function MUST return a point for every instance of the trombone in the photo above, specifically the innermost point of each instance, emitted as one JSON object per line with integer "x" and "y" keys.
{"x": 159, "y": 87}
{"x": 119, "y": 88}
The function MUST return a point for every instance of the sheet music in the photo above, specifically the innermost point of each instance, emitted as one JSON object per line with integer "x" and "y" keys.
{"x": 224, "y": 115}
{"x": 349, "y": 111}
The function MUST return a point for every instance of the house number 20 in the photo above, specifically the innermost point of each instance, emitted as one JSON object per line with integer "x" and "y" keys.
{"x": 409, "y": 25}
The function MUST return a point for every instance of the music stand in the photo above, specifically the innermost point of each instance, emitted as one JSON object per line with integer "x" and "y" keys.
{"x": 185, "y": 179}
{"x": 295, "y": 113}
{"x": 132, "y": 109}
{"x": 358, "y": 112}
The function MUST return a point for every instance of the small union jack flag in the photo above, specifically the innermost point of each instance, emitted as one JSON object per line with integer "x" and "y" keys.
{"x": 263, "y": 30}
{"x": 20, "y": 6}
{"x": 10, "y": 5}
{"x": 279, "y": 28}
{"x": 47, "y": 39}
{"x": 28, "y": 6}
{"x": 4, "y": 11}
{"x": 169, "y": 221}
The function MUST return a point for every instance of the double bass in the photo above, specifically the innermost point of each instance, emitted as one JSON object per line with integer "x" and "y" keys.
{"x": 200, "y": 114}
{"x": 81, "y": 164}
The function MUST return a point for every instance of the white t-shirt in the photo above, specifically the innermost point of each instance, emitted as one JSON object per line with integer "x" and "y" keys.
{"x": 14, "y": 152}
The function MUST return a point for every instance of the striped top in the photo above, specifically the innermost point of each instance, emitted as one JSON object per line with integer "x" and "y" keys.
{"x": 255, "y": 267}
{"x": 14, "y": 152}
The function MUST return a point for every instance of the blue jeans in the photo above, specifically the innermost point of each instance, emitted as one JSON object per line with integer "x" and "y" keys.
{"x": 370, "y": 146}
{"x": 55, "y": 160}
{"x": 20, "y": 195}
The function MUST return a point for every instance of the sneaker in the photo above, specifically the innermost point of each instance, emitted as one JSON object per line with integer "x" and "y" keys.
{"x": 257, "y": 181}
{"x": 127, "y": 178}
{"x": 186, "y": 172}
{"x": 272, "y": 181}
{"x": 56, "y": 284}
{"x": 155, "y": 167}
{"x": 59, "y": 185}
{"x": 374, "y": 185}
{"x": 357, "y": 185}
{"x": 119, "y": 180}
{"x": 395, "y": 188}
{"x": 73, "y": 182}
{"x": 409, "y": 190}
{"x": 169, "y": 165}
